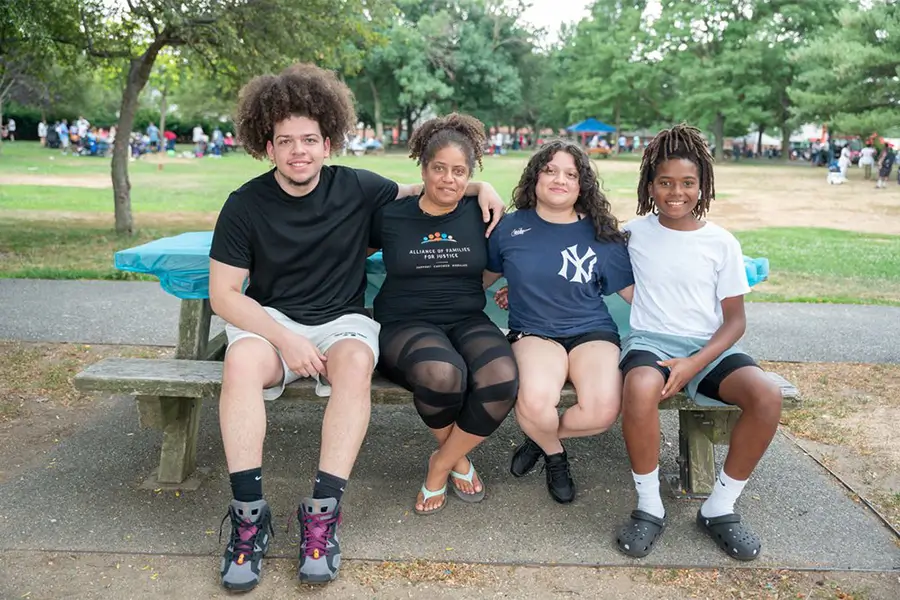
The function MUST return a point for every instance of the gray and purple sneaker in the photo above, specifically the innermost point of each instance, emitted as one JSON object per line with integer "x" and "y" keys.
{"x": 320, "y": 550}
{"x": 251, "y": 530}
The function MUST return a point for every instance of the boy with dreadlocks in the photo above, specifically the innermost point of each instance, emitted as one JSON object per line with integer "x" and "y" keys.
{"x": 687, "y": 315}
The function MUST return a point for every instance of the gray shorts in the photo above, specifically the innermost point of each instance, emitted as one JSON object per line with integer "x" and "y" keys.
{"x": 667, "y": 346}
{"x": 353, "y": 327}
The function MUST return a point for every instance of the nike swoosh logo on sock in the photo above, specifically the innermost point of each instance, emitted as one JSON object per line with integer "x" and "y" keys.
{"x": 257, "y": 478}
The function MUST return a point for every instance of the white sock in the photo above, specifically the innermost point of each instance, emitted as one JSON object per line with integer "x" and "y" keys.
{"x": 647, "y": 487}
{"x": 725, "y": 493}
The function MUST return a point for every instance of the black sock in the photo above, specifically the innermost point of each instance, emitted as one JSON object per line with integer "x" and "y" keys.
{"x": 246, "y": 486}
{"x": 329, "y": 486}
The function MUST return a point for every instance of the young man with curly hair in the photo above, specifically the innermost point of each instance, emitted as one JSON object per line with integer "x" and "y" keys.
{"x": 300, "y": 233}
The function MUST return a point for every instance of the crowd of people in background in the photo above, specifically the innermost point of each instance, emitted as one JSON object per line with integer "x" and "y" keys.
{"x": 81, "y": 138}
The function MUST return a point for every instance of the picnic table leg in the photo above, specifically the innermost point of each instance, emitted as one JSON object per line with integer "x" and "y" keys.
{"x": 193, "y": 329}
{"x": 696, "y": 457}
{"x": 179, "y": 420}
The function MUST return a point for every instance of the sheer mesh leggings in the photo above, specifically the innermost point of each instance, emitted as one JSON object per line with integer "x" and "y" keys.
{"x": 464, "y": 374}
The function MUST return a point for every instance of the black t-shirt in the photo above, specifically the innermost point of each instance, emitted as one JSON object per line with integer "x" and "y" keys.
{"x": 434, "y": 264}
{"x": 306, "y": 255}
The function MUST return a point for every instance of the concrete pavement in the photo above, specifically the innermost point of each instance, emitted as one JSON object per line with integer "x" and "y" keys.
{"x": 84, "y": 496}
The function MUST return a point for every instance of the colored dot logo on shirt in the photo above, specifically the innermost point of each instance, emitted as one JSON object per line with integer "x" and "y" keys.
{"x": 437, "y": 236}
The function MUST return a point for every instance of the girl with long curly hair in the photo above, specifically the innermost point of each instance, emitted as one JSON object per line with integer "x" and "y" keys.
{"x": 561, "y": 252}
{"x": 435, "y": 338}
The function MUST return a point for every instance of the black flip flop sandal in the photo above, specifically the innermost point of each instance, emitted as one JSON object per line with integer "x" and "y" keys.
{"x": 637, "y": 537}
{"x": 733, "y": 537}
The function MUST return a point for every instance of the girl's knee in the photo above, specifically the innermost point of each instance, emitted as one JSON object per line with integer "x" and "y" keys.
{"x": 602, "y": 418}
{"x": 535, "y": 401}
{"x": 601, "y": 409}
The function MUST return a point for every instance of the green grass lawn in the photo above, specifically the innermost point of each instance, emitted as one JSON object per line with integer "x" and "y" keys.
{"x": 807, "y": 265}
{"x": 203, "y": 185}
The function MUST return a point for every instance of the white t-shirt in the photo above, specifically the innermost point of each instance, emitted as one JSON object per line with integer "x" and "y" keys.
{"x": 867, "y": 156}
{"x": 681, "y": 277}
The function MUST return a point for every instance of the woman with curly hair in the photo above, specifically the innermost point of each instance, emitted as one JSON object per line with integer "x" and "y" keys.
{"x": 299, "y": 233}
{"x": 435, "y": 338}
{"x": 561, "y": 252}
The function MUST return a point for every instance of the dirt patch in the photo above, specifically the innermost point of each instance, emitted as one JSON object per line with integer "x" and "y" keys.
{"x": 751, "y": 197}
{"x": 848, "y": 422}
{"x": 38, "y": 405}
{"x": 44, "y": 575}
{"x": 81, "y": 181}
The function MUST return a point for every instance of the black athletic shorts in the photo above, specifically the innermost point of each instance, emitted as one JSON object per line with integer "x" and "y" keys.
{"x": 572, "y": 341}
{"x": 709, "y": 386}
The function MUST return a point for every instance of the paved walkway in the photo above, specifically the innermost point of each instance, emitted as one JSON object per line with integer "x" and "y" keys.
{"x": 91, "y": 481}
{"x": 117, "y": 312}
{"x": 805, "y": 517}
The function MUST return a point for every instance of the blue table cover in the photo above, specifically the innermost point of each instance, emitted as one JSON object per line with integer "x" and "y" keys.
{"x": 181, "y": 263}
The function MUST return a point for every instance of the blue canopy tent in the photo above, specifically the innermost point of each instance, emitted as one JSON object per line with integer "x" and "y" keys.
{"x": 589, "y": 127}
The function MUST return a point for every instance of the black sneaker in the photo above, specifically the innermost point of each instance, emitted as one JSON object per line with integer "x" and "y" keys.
{"x": 525, "y": 457}
{"x": 559, "y": 480}
{"x": 251, "y": 528}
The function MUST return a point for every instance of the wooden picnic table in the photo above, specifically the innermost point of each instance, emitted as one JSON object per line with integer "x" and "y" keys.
{"x": 169, "y": 392}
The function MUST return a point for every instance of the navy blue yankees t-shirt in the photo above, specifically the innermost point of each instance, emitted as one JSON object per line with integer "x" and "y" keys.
{"x": 557, "y": 274}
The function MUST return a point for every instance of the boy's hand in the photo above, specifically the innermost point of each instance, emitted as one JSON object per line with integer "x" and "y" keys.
{"x": 501, "y": 297}
{"x": 681, "y": 371}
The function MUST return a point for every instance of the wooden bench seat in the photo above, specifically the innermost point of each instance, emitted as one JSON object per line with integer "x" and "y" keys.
{"x": 170, "y": 392}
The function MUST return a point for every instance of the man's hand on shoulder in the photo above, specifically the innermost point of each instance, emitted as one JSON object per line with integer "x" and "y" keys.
{"x": 492, "y": 206}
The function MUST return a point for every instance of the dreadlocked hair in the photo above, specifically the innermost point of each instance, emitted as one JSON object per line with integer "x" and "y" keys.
{"x": 301, "y": 90}
{"x": 463, "y": 131}
{"x": 681, "y": 141}
{"x": 591, "y": 200}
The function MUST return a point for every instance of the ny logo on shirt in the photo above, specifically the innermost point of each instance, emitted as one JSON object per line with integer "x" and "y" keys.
{"x": 570, "y": 257}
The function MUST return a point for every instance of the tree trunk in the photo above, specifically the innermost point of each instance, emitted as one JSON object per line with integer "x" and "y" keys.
{"x": 1, "y": 122}
{"x": 719, "y": 135}
{"x": 759, "y": 140}
{"x": 138, "y": 74}
{"x": 785, "y": 128}
{"x": 379, "y": 126}
{"x": 162, "y": 120}
{"x": 785, "y": 142}
{"x": 618, "y": 121}
{"x": 409, "y": 123}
